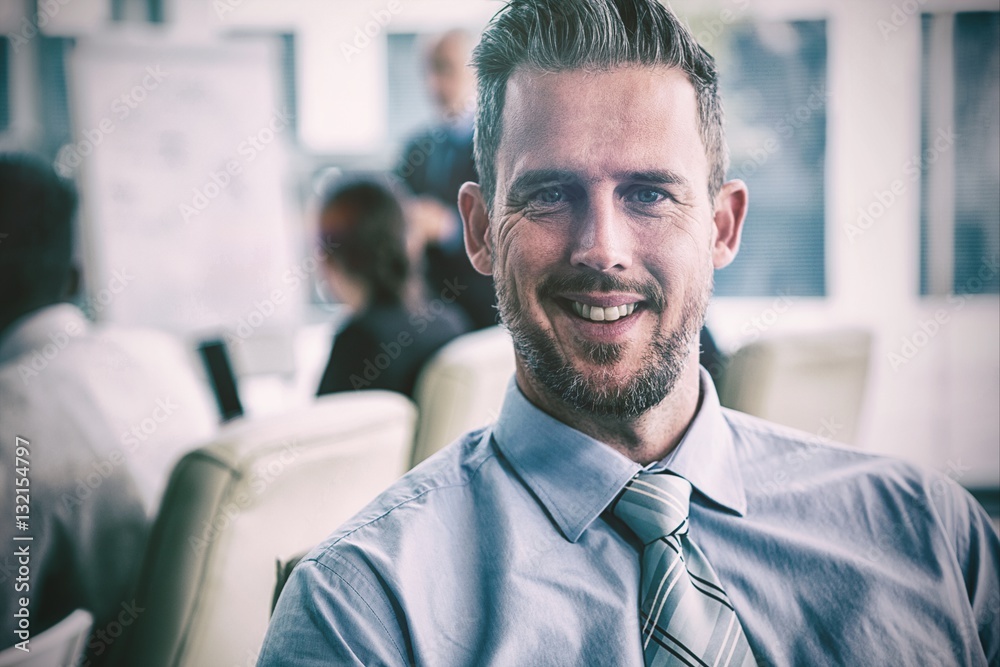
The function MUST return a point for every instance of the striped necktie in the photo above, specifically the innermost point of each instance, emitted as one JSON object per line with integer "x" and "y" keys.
{"x": 685, "y": 616}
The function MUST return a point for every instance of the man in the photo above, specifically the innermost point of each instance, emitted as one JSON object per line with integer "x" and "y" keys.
{"x": 615, "y": 514}
{"x": 103, "y": 415}
{"x": 434, "y": 166}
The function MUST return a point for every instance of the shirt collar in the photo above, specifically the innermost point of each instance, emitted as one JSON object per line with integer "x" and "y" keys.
{"x": 41, "y": 327}
{"x": 706, "y": 456}
{"x": 575, "y": 477}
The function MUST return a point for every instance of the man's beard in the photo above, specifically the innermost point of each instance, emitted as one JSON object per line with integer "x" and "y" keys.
{"x": 661, "y": 365}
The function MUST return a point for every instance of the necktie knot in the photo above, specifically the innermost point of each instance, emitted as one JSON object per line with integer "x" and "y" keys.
{"x": 655, "y": 505}
{"x": 685, "y": 616}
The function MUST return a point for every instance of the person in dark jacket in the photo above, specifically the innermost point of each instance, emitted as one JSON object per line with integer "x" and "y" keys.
{"x": 394, "y": 328}
{"x": 435, "y": 164}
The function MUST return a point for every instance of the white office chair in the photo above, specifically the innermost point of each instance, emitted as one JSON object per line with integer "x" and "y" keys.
{"x": 461, "y": 388}
{"x": 264, "y": 491}
{"x": 814, "y": 382}
{"x": 61, "y": 645}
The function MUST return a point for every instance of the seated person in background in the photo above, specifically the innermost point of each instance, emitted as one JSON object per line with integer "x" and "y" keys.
{"x": 106, "y": 414}
{"x": 393, "y": 328}
{"x": 615, "y": 514}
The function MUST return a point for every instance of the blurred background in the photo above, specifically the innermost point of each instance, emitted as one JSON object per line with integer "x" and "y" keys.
{"x": 867, "y": 132}
{"x": 204, "y": 137}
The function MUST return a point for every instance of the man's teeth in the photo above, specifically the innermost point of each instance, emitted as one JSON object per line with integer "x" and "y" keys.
{"x": 598, "y": 314}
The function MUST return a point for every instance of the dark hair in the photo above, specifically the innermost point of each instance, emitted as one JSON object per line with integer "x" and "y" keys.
{"x": 370, "y": 242}
{"x": 559, "y": 35}
{"x": 36, "y": 234}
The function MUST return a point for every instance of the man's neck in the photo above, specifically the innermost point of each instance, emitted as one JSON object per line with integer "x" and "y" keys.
{"x": 649, "y": 437}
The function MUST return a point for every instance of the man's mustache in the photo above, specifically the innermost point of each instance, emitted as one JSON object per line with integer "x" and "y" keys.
{"x": 557, "y": 284}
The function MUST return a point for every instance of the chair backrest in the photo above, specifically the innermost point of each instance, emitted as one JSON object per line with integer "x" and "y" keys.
{"x": 814, "y": 382}
{"x": 263, "y": 491}
{"x": 61, "y": 645}
{"x": 461, "y": 388}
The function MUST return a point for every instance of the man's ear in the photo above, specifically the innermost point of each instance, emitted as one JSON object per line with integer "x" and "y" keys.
{"x": 476, "y": 223}
{"x": 730, "y": 212}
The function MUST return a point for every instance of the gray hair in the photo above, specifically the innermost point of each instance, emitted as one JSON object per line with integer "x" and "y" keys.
{"x": 559, "y": 35}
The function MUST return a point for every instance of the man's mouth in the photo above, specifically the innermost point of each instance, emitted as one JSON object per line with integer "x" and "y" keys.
{"x": 603, "y": 314}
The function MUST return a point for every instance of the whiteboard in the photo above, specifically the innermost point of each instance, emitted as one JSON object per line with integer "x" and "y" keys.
{"x": 181, "y": 154}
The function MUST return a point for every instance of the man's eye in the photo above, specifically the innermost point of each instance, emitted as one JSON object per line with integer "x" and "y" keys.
{"x": 649, "y": 196}
{"x": 553, "y": 195}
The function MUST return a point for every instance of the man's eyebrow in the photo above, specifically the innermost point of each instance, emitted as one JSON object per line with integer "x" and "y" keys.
{"x": 659, "y": 176}
{"x": 535, "y": 178}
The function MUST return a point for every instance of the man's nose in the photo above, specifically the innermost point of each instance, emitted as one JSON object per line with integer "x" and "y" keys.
{"x": 602, "y": 239}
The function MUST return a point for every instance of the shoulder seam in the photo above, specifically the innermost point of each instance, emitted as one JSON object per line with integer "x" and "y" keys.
{"x": 347, "y": 583}
{"x": 410, "y": 499}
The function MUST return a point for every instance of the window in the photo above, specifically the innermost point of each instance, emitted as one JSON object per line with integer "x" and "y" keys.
{"x": 773, "y": 82}
{"x": 960, "y": 154}
{"x": 53, "y": 101}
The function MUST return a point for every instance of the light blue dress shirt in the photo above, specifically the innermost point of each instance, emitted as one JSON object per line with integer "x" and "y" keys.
{"x": 501, "y": 550}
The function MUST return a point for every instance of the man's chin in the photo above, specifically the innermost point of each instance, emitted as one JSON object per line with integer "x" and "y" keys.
{"x": 611, "y": 377}
{"x": 614, "y": 380}
{"x": 620, "y": 402}
{"x": 610, "y": 390}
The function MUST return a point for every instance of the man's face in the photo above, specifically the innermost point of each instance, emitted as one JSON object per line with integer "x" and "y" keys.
{"x": 602, "y": 233}
{"x": 451, "y": 82}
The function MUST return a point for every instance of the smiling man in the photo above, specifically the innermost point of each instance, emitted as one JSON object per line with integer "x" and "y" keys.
{"x": 615, "y": 514}
{"x": 603, "y": 227}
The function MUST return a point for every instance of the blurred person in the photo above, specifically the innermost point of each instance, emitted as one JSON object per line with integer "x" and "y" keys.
{"x": 105, "y": 415}
{"x": 615, "y": 514}
{"x": 393, "y": 330}
{"x": 435, "y": 164}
